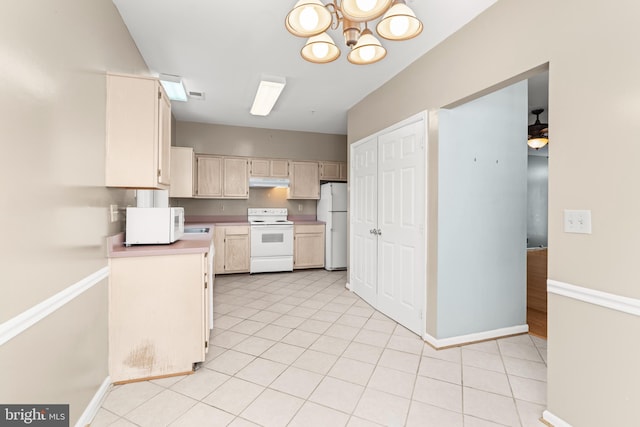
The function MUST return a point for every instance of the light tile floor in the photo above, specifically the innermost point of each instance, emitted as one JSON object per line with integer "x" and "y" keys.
{"x": 298, "y": 349}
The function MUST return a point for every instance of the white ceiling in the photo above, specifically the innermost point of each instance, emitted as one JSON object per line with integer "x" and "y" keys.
{"x": 223, "y": 48}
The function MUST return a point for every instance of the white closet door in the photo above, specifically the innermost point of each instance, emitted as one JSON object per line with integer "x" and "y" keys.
{"x": 364, "y": 209}
{"x": 401, "y": 225}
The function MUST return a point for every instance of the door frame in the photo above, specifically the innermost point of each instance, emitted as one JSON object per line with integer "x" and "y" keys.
{"x": 420, "y": 116}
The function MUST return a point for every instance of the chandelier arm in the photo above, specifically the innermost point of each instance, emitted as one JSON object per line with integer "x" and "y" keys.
{"x": 335, "y": 10}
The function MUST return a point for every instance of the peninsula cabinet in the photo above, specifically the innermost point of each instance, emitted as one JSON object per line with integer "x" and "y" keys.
{"x": 270, "y": 168}
{"x": 333, "y": 171}
{"x": 222, "y": 177}
{"x": 138, "y": 133}
{"x": 232, "y": 249}
{"x": 158, "y": 315}
{"x": 304, "y": 180}
{"x": 308, "y": 246}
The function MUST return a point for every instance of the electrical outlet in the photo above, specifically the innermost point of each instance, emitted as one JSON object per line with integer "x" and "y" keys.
{"x": 577, "y": 221}
{"x": 113, "y": 213}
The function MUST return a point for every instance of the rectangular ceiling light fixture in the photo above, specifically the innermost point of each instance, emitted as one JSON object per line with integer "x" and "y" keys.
{"x": 174, "y": 87}
{"x": 267, "y": 95}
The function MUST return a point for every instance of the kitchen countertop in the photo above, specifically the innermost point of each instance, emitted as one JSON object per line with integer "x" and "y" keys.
{"x": 190, "y": 243}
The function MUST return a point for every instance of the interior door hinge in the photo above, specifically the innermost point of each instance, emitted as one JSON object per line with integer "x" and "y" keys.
{"x": 206, "y": 344}
{"x": 159, "y": 95}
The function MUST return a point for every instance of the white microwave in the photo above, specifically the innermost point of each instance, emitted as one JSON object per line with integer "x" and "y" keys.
{"x": 153, "y": 226}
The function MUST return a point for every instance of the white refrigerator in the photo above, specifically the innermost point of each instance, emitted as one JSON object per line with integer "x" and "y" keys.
{"x": 332, "y": 209}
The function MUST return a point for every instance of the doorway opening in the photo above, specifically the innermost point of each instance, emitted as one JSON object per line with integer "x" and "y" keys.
{"x": 537, "y": 211}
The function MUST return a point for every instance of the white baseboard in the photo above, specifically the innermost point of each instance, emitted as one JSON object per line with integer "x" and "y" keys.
{"x": 92, "y": 408}
{"x": 478, "y": 336}
{"x": 553, "y": 420}
{"x": 592, "y": 296}
{"x": 28, "y": 318}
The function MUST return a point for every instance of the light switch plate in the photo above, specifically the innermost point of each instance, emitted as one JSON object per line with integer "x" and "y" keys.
{"x": 577, "y": 221}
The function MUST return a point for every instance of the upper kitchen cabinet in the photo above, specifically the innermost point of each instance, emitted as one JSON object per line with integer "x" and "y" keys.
{"x": 222, "y": 177}
{"x": 304, "y": 180}
{"x": 138, "y": 128}
{"x": 333, "y": 171}
{"x": 270, "y": 168}
{"x": 182, "y": 160}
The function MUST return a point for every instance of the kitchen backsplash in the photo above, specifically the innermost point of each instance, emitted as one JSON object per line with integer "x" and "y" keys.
{"x": 258, "y": 198}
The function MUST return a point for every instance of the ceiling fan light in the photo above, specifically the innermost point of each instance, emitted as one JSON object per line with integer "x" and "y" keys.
{"x": 308, "y": 18}
{"x": 399, "y": 23}
{"x": 367, "y": 51}
{"x": 537, "y": 142}
{"x": 320, "y": 49}
{"x": 364, "y": 10}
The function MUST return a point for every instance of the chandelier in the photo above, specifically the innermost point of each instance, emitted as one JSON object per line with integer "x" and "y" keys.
{"x": 312, "y": 18}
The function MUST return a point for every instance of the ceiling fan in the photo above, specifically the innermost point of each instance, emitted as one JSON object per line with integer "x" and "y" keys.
{"x": 538, "y": 132}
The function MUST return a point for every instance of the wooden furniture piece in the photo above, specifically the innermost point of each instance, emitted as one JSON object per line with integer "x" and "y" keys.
{"x": 304, "y": 180}
{"x": 222, "y": 177}
{"x": 158, "y": 315}
{"x": 182, "y": 162}
{"x": 308, "y": 246}
{"x": 333, "y": 171}
{"x": 232, "y": 249}
{"x": 138, "y": 130}
{"x": 537, "y": 291}
{"x": 269, "y": 168}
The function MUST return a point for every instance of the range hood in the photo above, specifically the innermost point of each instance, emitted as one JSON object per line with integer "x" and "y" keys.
{"x": 268, "y": 182}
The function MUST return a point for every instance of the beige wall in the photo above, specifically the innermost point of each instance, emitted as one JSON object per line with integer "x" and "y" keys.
{"x": 258, "y": 198}
{"x": 254, "y": 142}
{"x": 593, "y": 80}
{"x": 53, "y": 57}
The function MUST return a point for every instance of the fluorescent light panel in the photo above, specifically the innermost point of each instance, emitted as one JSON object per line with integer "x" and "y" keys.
{"x": 266, "y": 97}
{"x": 174, "y": 87}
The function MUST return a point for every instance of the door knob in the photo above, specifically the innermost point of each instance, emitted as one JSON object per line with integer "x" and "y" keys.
{"x": 373, "y": 231}
{"x": 379, "y": 232}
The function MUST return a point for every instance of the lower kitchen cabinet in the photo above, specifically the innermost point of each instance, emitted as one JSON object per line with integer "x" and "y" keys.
{"x": 232, "y": 249}
{"x": 308, "y": 246}
{"x": 158, "y": 315}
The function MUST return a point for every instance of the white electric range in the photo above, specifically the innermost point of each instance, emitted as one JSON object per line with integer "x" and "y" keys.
{"x": 271, "y": 240}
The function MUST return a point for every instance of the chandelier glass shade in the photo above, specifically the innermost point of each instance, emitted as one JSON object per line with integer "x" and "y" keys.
{"x": 311, "y": 19}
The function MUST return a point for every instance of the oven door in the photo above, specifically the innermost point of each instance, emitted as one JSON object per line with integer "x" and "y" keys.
{"x": 271, "y": 240}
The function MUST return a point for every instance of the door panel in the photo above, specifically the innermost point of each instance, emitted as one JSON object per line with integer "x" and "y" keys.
{"x": 401, "y": 262}
{"x": 364, "y": 203}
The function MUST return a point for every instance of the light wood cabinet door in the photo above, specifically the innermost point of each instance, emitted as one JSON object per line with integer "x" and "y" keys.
{"x": 343, "y": 171}
{"x": 138, "y": 133}
{"x": 209, "y": 172}
{"x": 157, "y": 315}
{"x": 270, "y": 168}
{"x": 235, "y": 178}
{"x": 333, "y": 171}
{"x": 218, "y": 244}
{"x": 304, "y": 180}
{"x": 181, "y": 172}
{"x": 279, "y": 168}
{"x": 260, "y": 167}
{"x": 232, "y": 246}
{"x": 308, "y": 246}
